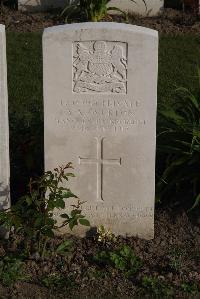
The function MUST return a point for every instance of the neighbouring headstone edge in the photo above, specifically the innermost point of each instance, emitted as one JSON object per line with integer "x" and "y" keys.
{"x": 4, "y": 101}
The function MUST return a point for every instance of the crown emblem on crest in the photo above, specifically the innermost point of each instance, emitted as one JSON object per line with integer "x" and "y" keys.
{"x": 99, "y": 67}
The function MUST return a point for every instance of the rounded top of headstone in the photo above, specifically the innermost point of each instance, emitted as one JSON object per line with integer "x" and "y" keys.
{"x": 101, "y": 25}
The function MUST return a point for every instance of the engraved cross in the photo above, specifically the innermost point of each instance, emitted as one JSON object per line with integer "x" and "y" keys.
{"x": 100, "y": 162}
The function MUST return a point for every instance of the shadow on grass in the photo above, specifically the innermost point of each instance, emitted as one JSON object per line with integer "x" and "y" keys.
{"x": 24, "y": 54}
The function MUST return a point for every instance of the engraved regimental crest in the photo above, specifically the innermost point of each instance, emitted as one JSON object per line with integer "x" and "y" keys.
{"x": 100, "y": 67}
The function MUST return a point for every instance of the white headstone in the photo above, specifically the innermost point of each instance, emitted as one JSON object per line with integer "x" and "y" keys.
{"x": 100, "y": 93}
{"x": 41, "y": 5}
{"x": 4, "y": 130}
{"x": 152, "y": 8}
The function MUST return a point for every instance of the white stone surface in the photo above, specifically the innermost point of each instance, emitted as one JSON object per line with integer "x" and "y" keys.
{"x": 40, "y": 5}
{"x": 4, "y": 130}
{"x": 100, "y": 93}
{"x": 153, "y": 6}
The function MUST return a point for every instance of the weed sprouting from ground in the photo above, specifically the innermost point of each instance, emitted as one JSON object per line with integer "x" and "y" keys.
{"x": 11, "y": 270}
{"x": 123, "y": 259}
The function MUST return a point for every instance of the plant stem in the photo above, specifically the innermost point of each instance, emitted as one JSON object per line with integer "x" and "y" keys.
{"x": 44, "y": 247}
{"x": 26, "y": 247}
{"x": 39, "y": 242}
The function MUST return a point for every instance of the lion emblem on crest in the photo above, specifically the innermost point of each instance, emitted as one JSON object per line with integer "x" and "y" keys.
{"x": 99, "y": 69}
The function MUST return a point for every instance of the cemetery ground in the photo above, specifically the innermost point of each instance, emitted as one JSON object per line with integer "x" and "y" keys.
{"x": 165, "y": 267}
{"x": 84, "y": 268}
{"x": 171, "y": 21}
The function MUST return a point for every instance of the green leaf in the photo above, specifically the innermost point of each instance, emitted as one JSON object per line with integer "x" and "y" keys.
{"x": 84, "y": 222}
{"x": 60, "y": 203}
{"x": 50, "y": 222}
{"x": 70, "y": 174}
{"x": 48, "y": 232}
{"x": 51, "y": 205}
{"x": 28, "y": 200}
{"x": 75, "y": 212}
{"x": 69, "y": 194}
{"x": 117, "y": 9}
{"x": 73, "y": 222}
{"x": 126, "y": 251}
{"x": 64, "y": 247}
{"x": 196, "y": 202}
{"x": 38, "y": 221}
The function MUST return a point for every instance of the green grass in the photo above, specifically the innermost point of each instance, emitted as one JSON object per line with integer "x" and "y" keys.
{"x": 24, "y": 56}
{"x": 178, "y": 59}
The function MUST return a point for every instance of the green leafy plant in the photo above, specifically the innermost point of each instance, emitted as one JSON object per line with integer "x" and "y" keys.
{"x": 190, "y": 288}
{"x": 176, "y": 258}
{"x": 178, "y": 140}
{"x": 11, "y": 270}
{"x": 102, "y": 258}
{"x": 155, "y": 287}
{"x": 65, "y": 247}
{"x": 90, "y": 10}
{"x": 58, "y": 281}
{"x": 123, "y": 259}
{"x": 97, "y": 273}
{"x": 33, "y": 214}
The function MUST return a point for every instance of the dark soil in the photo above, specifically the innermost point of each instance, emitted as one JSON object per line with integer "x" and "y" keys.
{"x": 172, "y": 257}
{"x": 170, "y": 22}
